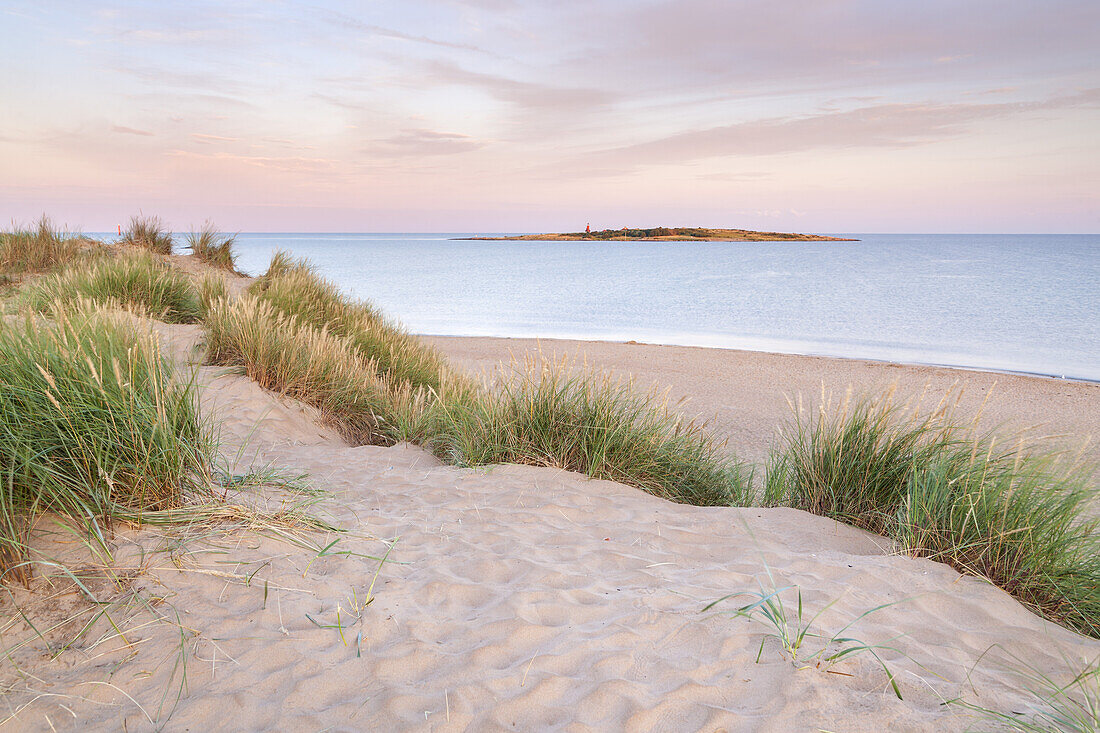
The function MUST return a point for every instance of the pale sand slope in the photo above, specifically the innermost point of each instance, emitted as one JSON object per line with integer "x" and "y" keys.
{"x": 745, "y": 393}
{"x": 515, "y": 599}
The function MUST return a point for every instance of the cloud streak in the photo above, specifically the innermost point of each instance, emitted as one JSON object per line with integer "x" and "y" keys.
{"x": 210, "y": 139}
{"x": 879, "y": 126}
{"x": 525, "y": 95}
{"x": 419, "y": 143}
{"x": 130, "y": 131}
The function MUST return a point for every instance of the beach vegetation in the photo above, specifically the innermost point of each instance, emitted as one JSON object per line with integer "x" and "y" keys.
{"x": 1068, "y": 702}
{"x": 1012, "y": 510}
{"x": 555, "y": 414}
{"x": 95, "y": 425}
{"x": 211, "y": 287}
{"x": 294, "y": 288}
{"x": 148, "y": 232}
{"x": 545, "y": 415}
{"x": 321, "y": 368}
{"x": 797, "y": 632}
{"x": 210, "y": 246}
{"x": 38, "y": 248}
{"x": 137, "y": 281}
{"x": 997, "y": 509}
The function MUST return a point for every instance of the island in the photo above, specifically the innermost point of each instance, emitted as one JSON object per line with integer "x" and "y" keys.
{"x": 671, "y": 234}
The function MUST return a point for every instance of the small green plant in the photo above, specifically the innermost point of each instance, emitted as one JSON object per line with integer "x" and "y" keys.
{"x": 137, "y": 281}
{"x": 356, "y": 604}
{"x": 1067, "y": 705}
{"x": 215, "y": 249}
{"x": 794, "y": 628}
{"x": 38, "y": 248}
{"x": 148, "y": 232}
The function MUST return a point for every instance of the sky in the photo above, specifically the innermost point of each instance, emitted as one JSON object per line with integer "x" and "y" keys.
{"x": 824, "y": 116}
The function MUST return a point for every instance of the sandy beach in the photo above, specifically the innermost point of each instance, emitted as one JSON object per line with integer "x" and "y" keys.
{"x": 521, "y": 598}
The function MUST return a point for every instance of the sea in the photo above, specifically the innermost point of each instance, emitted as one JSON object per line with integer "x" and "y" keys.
{"x": 1018, "y": 303}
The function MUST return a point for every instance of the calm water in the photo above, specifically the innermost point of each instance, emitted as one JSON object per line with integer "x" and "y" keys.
{"x": 1014, "y": 302}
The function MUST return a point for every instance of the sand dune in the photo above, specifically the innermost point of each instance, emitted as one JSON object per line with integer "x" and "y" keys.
{"x": 513, "y": 598}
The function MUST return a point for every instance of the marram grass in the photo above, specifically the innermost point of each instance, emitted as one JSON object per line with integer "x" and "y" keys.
{"x": 148, "y": 232}
{"x": 213, "y": 248}
{"x": 211, "y": 287}
{"x": 38, "y": 248}
{"x": 549, "y": 416}
{"x": 293, "y": 288}
{"x": 93, "y": 425}
{"x": 134, "y": 280}
{"x": 1014, "y": 511}
{"x": 315, "y": 366}
{"x": 553, "y": 414}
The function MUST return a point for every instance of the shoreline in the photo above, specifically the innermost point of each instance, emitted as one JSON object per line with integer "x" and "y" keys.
{"x": 746, "y": 396}
{"x": 807, "y": 354}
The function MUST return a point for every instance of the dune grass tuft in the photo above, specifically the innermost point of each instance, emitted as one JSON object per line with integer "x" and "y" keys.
{"x": 93, "y": 425}
{"x": 1010, "y": 510}
{"x": 284, "y": 263}
{"x": 134, "y": 280}
{"x": 211, "y": 287}
{"x": 315, "y": 366}
{"x": 294, "y": 288}
{"x": 215, "y": 249}
{"x": 552, "y": 414}
{"x": 38, "y": 248}
{"x": 148, "y": 232}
